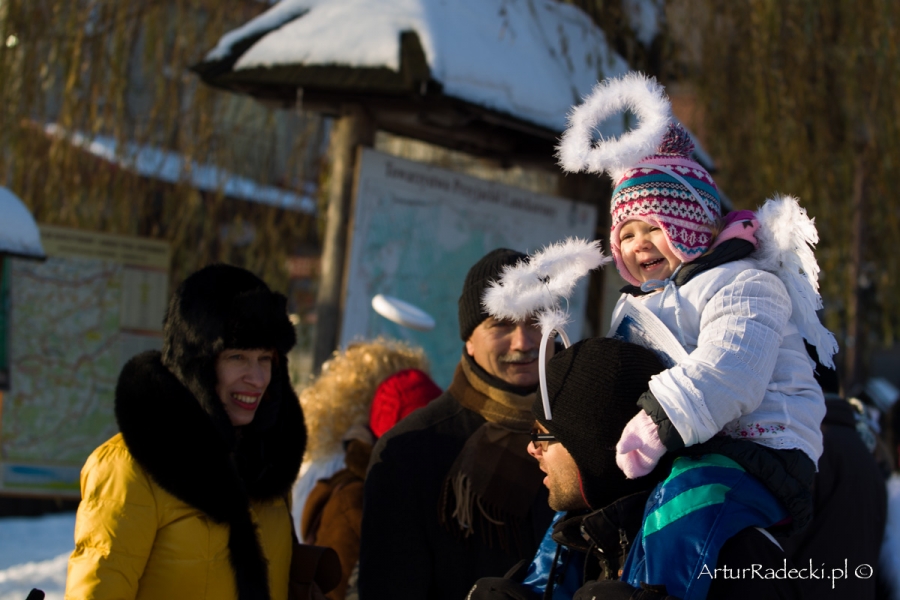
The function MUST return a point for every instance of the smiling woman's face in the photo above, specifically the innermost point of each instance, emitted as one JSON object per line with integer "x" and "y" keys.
{"x": 242, "y": 377}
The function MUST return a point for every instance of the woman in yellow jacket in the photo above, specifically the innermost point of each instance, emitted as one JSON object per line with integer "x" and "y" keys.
{"x": 189, "y": 500}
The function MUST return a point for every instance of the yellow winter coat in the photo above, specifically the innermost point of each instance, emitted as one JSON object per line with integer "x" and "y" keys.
{"x": 168, "y": 511}
{"x": 133, "y": 539}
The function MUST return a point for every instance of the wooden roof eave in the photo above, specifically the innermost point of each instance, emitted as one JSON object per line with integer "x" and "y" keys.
{"x": 408, "y": 103}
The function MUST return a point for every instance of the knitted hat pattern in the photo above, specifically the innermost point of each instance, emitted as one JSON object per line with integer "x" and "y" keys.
{"x": 489, "y": 268}
{"x": 398, "y": 396}
{"x": 594, "y": 386}
{"x": 649, "y": 194}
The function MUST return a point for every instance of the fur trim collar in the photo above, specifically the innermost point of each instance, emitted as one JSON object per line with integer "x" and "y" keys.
{"x": 170, "y": 435}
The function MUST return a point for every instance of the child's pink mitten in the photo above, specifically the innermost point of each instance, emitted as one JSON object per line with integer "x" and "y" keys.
{"x": 639, "y": 448}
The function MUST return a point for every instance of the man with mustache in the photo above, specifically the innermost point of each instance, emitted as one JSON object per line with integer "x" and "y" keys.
{"x": 451, "y": 494}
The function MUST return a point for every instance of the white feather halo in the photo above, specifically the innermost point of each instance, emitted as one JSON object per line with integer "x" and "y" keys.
{"x": 538, "y": 285}
{"x": 636, "y": 92}
{"x": 786, "y": 237}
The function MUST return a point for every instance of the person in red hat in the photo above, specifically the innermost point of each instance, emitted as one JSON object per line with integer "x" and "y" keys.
{"x": 332, "y": 515}
{"x": 336, "y": 405}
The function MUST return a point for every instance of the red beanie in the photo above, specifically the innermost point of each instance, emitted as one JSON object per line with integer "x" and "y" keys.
{"x": 399, "y": 395}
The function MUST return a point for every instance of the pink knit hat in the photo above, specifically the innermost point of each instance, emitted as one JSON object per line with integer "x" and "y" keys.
{"x": 672, "y": 191}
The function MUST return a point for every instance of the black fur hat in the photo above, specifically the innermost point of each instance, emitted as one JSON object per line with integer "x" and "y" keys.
{"x": 594, "y": 387}
{"x": 225, "y": 307}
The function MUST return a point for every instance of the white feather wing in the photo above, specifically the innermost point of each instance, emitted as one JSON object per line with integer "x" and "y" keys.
{"x": 786, "y": 238}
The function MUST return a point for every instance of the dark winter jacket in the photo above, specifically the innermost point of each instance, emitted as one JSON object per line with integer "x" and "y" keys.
{"x": 850, "y": 510}
{"x": 604, "y": 538}
{"x": 750, "y": 567}
{"x": 406, "y": 551}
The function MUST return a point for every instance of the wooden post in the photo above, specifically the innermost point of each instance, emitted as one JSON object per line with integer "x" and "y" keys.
{"x": 353, "y": 129}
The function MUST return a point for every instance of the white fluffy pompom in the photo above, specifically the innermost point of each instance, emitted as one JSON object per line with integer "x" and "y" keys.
{"x": 634, "y": 92}
{"x": 786, "y": 238}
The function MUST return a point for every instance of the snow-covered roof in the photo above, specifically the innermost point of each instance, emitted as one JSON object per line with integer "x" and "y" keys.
{"x": 19, "y": 234}
{"x": 531, "y": 59}
{"x": 172, "y": 167}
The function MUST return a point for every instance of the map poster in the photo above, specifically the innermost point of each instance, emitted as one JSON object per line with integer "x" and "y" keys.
{"x": 417, "y": 230}
{"x": 74, "y": 320}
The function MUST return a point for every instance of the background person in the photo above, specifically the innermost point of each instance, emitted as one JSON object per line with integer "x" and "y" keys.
{"x": 333, "y": 513}
{"x": 337, "y": 403}
{"x": 850, "y": 501}
{"x": 190, "y": 500}
{"x": 452, "y": 494}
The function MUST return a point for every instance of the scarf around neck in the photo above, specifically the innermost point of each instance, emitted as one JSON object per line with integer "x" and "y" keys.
{"x": 493, "y": 483}
{"x": 492, "y": 398}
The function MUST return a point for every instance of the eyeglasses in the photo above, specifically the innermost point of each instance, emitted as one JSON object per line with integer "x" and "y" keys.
{"x": 542, "y": 440}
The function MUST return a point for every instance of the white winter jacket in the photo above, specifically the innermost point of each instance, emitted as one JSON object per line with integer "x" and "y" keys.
{"x": 748, "y": 373}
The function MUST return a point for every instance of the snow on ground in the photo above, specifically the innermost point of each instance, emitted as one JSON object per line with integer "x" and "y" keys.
{"x": 34, "y": 552}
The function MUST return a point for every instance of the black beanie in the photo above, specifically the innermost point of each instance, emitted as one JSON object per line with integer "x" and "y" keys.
{"x": 594, "y": 387}
{"x": 489, "y": 268}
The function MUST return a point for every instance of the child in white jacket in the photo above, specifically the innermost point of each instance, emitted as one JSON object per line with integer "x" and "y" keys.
{"x": 748, "y": 374}
{"x": 740, "y": 406}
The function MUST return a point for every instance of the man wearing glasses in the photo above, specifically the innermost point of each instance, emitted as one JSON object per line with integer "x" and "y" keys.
{"x": 593, "y": 388}
{"x": 451, "y": 494}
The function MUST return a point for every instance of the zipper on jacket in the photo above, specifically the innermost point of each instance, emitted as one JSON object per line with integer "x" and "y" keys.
{"x": 626, "y": 545}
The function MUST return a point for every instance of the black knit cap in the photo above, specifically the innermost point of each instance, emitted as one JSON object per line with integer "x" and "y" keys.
{"x": 489, "y": 268}
{"x": 594, "y": 387}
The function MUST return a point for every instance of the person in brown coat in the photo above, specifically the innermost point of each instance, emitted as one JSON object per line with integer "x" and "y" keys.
{"x": 332, "y": 515}
{"x": 339, "y": 399}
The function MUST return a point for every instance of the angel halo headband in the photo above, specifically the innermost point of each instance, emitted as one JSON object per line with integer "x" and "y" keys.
{"x": 538, "y": 286}
{"x": 634, "y": 92}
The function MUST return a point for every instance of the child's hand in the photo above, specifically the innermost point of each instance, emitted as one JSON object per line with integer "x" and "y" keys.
{"x": 639, "y": 448}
